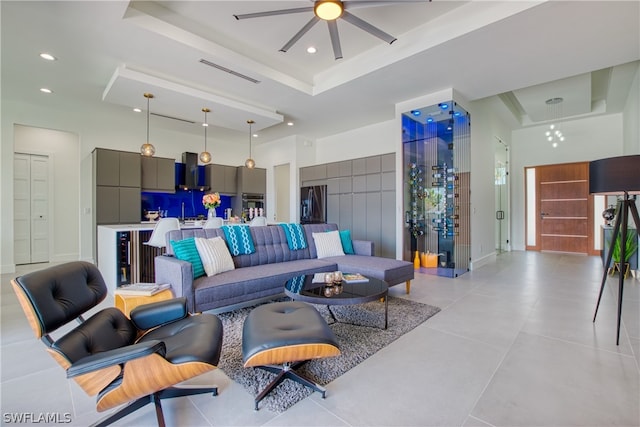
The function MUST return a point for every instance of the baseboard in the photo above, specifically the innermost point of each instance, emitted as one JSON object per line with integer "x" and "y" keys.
{"x": 479, "y": 262}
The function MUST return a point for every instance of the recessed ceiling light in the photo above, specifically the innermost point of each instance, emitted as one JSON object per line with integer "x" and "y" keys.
{"x": 45, "y": 90}
{"x": 311, "y": 49}
{"x": 255, "y": 135}
{"x": 47, "y": 56}
{"x": 289, "y": 123}
{"x": 137, "y": 110}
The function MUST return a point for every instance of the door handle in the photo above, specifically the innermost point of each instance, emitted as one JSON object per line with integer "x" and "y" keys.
{"x": 543, "y": 214}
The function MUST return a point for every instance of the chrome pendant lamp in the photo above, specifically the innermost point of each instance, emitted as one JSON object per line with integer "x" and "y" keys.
{"x": 205, "y": 156}
{"x": 250, "y": 163}
{"x": 147, "y": 149}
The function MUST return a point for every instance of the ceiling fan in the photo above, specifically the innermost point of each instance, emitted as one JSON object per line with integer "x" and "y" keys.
{"x": 330, "y": 11}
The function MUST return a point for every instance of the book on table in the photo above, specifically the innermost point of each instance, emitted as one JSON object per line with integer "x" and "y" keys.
{"x": 142, "y": 289}
{"x": 354, "y": 278}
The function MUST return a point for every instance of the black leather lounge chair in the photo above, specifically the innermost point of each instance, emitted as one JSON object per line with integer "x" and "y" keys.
{"x": 123, "y": 361}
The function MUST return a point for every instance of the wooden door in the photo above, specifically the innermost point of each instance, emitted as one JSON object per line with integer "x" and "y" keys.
{"x": 564, "y": 207}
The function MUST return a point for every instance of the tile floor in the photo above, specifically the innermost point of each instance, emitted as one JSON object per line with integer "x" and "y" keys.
{"x": 514, "y": 345}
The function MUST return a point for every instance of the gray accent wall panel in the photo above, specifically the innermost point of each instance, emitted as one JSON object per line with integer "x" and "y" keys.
{"x": 361, "y": 198}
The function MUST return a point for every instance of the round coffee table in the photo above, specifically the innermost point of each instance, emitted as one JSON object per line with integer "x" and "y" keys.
{"x": 302, "y": 288}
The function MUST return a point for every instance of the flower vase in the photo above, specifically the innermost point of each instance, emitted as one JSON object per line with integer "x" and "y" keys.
{"x": 211, "y": 213}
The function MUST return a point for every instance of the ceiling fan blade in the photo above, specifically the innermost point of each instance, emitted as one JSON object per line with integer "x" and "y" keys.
{"x": 356, "y": 4}
{"x": 300, "y": 33}
{"x": 273, "y": 12}
{"x": 363, "y": 25}
{"x": 335, "y": 39}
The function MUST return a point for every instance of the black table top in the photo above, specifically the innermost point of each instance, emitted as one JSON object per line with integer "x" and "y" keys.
{"x": 301, "y": 288}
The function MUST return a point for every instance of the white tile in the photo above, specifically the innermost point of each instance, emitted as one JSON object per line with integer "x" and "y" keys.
{"x": 547, "y": 382}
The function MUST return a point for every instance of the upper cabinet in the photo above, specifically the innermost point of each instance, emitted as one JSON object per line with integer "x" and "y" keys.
{"x": 158, "y": 174}
{"x": 117, "y": 168}
{"x": 221, "y": 178}
{"x": 251, "y": 181}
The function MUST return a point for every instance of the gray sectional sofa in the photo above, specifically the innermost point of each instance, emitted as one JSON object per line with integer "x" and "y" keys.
{"x": 265, "y": 272}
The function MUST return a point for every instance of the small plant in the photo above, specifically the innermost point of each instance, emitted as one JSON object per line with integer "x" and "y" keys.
{"x": 630, "y": 247}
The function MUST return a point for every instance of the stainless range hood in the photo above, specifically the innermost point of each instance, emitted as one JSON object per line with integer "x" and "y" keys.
{"x": 191, "y": 174}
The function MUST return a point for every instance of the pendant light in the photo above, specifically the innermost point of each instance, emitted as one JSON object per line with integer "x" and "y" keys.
{"x": 147, "y": 149}
{"x": 250, "y": 163}
{"x": 205, "y": 156}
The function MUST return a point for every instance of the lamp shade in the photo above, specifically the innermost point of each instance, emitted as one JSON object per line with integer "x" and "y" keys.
{"x": 615, "y": 175}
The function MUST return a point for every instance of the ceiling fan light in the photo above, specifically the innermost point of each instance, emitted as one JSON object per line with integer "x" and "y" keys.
{"x": 328, "y": 9}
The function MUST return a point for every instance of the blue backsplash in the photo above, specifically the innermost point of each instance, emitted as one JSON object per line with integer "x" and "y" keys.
{"x": 192, "y": 200}
{"x": 172, "y": 203}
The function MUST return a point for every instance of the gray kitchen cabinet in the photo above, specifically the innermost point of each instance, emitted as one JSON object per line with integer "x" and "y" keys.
{"x": 313, "y": 173}
{"x": 333, "y": 186}
{"x": 231, "y": 180}
{"x": 333, "y": 208}
{"x": 372, "y": 164}
{"x": 107, "y": 207}
{"x": 333, "y": 170}
{"x": 106, "y": 165}
{"x": 345, "y": 168}
{"x": 388, "y": 162}
{"x": 130, "y": 209}
{"x": 221, "y": 178}
{"x": 117, "y": 177}
{"x": 158, "y": 174}
{"x": 130, "y": 166}
{"x": 359, "y": 166}
{"x": 251, "y": 181}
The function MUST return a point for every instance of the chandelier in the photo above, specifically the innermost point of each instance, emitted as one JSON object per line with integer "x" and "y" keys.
{"x": 554, "y": 112}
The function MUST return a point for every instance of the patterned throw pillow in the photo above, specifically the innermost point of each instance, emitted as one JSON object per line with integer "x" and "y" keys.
{"x": 214, "y": 255}
{"x": 347, "y": 244}
{"x": 328, "y": 244}
{"x": 186, "y": 250}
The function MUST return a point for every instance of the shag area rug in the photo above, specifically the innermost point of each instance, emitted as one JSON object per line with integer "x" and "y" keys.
{"x": 359, "y": 335}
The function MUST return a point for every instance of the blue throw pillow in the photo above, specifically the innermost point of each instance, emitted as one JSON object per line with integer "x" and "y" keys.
{"x": 186, "y": 250}
{"x": 347, "y": 245}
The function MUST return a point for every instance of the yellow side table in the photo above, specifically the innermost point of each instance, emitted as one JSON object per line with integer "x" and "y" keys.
{"x": 126, "y": 303}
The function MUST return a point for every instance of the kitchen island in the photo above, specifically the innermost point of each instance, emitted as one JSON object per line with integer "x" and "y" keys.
{"x": 122, "y": 256}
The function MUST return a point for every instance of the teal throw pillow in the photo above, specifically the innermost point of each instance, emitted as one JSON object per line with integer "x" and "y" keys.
{"x": 347, "y": 245}
{"x": 186, "y": 250}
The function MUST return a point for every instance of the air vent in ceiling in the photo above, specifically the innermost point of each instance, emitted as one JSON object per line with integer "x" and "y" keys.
{"x": 172, "y": 118}
{"x": 226, "y": 70}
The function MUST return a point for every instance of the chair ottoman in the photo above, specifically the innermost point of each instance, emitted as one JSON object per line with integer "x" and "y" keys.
{"x": 281, "y": 336}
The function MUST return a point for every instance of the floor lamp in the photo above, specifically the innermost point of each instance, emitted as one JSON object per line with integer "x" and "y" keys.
{"x": 619, "y": 176}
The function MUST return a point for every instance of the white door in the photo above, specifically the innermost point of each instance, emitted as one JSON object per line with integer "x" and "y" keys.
{"x": 31, "y": 208}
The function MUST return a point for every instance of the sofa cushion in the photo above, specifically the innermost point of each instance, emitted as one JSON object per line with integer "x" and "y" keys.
{"x": 328, "y": 244}
{"x": 214, "y": 255}
{"x": 347, "y": 244}
{"x": 186, "y": 250}
{"x": 390, "y": 270}
{"x": 247, "y": 283}
{"x": 239, "y": 239}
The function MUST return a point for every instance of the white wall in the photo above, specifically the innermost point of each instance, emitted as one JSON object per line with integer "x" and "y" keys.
{"x": 586, "y": 139}
{"x": 631, "y": 118}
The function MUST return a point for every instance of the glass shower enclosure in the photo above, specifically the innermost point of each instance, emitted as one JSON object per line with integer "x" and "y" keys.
{"x": 436, "y": 149}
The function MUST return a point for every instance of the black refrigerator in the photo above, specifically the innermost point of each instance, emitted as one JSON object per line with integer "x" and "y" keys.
{"x": 313, "y": 204}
